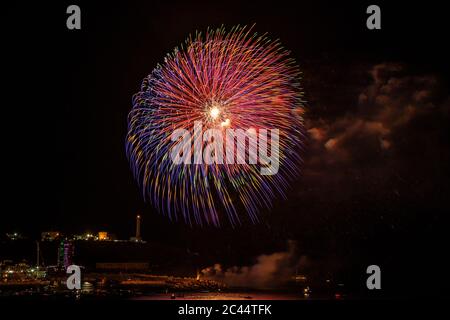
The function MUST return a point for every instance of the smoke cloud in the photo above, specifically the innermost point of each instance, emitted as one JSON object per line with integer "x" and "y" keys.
{"x": 269, "y": 271}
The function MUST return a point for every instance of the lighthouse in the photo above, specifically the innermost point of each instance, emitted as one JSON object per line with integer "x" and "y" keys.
{"x": 138, "y": 228}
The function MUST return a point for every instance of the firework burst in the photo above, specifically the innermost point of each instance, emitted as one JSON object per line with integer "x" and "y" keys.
{"x": 224, "y": 80}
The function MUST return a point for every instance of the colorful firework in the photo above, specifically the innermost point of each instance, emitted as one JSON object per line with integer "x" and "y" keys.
{"x": 224, "y": 80}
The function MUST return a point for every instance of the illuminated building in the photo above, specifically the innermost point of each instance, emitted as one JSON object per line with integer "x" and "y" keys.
{"x": 65, "y": 254}
{"x": 50, "y": 235}
{"x": 138, "y": 228}
{"x": 103, "y": 235}
{"x": 137, "y": 237}
{"x": 85, "y": 236}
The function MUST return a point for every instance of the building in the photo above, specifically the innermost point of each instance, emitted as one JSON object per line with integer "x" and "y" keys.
{"x": 50, "y": 235}
{"x": 122, "y": 266}
{"x": 103, "y": 236}
{"x": 65, "y": 254}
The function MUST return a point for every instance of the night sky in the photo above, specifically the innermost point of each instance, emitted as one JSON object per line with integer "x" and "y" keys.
{"x": 374, "y": 185}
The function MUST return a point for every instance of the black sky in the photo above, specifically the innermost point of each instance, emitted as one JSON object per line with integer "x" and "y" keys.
{"x": 375, "y": 181}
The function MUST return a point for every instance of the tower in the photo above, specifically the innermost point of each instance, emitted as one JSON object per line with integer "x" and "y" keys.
{"x": 138, "y": 228}
{"x": 65, "y": 253}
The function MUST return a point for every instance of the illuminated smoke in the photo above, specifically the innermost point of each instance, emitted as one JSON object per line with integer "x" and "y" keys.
{"x": 270, "y": 270}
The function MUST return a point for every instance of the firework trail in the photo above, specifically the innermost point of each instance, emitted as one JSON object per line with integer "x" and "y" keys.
{"x": 233, "y": 79}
